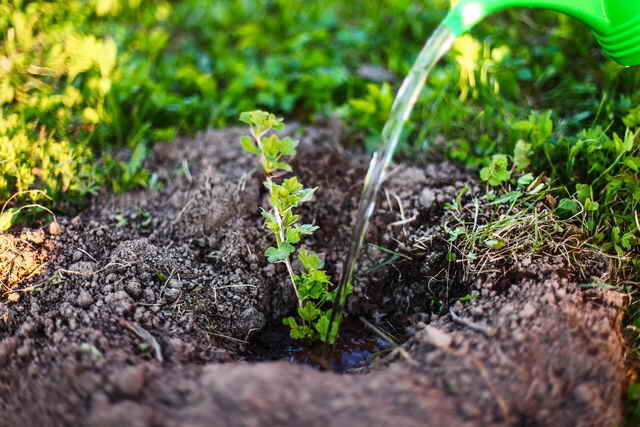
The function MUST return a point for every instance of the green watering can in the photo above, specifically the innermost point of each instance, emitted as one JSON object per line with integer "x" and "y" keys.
{"x": 615, "y": 23}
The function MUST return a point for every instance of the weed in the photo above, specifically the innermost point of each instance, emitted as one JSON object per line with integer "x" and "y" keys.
{"x": 518, "y": 222}
{"x": 312, "y": 285}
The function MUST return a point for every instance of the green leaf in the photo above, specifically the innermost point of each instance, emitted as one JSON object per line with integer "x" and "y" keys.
{"x": 248, "y": 145}
{"x": 297, "y": 332}
{"x": 507, "y": 198}
{"x": 271, "y": 147}
{"x": 283, "y": 166}
{"x": 270, "y": 222}
{"x": 591, "y": 206}
{"x": 583, "y": 192}
{"x": 521, "y": 155}
{"x": 261, "y": 119}
{"x": 306, "y": 228}
{"x": 267, "y": 215}
{"x": 137, "y": 158}
{"x": 309, "y": 289}
{"x": 291, "y": 184}
{"x": 278, "y": 254}
{"x": 456, "y": 232}
{"x": 567, "y": 208}
{"x": 309, "y": 259}
{"x": 288, "y": 146}
{"x": 309, "y": 311}
{"x": 496, "y": 173}
{"x": 6, "y": 219}
{"x": 495, "y": 243}
{"x": 293, "y": 235}
{"x": 248, "y": 117}
{"x": 289, "y": 218}
{"x": 322, "y": 326}
{"x": 633, "y": 163}
{"x": 319, "y": 276}
{"x": 305, "y": 195}
{"x": 627, "y": 240}
{"x": 522, "y": 125}
{"x": 538, "y": 188}
{"x": 525, "y": 180}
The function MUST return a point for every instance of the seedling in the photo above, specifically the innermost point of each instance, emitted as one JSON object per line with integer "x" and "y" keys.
{"x": 312, "y": 285}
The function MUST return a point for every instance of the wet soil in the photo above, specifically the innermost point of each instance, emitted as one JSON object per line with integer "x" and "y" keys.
{"x": 353, "y": 352}
{"x": 157, "y": 308}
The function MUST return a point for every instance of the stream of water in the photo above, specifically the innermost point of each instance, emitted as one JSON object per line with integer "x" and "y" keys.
{"x": 435, "y": 48}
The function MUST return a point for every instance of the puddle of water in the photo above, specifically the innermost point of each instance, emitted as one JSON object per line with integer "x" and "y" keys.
{"x": 353, "y": 352}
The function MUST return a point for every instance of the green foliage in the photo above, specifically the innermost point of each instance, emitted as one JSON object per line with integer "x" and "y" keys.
{"x": 370, "y": 112}
{"x": 123, "y": 73}
{"x": 312, "y": 285}
{"x": 497, "y": 171}
{"x": 53, "y": 83}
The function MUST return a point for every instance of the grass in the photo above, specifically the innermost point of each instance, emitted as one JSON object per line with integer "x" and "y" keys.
{"x": 490, "y": 234}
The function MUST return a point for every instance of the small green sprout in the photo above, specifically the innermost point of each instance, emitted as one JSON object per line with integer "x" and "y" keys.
{"x": 312, "y": 285}
{"x": 497, "y": 171}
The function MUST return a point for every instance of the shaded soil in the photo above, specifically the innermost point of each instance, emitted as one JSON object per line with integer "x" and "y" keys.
{"x": 152, "y": 303}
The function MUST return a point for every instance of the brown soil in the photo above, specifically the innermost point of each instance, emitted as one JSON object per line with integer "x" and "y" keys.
{"x": 150, "y": 304}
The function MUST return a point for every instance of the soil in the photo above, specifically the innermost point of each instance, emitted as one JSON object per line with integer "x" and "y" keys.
{"x": 157, "y": 308}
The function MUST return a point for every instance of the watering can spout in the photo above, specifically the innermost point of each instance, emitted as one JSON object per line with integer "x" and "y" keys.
{"x": 615, "y": 23}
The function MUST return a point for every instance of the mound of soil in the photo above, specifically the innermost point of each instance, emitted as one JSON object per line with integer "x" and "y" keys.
{"x": 150, "y": 304}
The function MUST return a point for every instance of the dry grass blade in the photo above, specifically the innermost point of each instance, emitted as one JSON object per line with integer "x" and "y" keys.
{"x": 20, "y": 261}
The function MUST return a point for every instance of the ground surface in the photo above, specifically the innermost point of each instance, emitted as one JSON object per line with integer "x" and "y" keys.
{"x": 149, "y": 303}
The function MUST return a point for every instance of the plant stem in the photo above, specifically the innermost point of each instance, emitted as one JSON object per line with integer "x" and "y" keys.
{"x": 281, "y": 238}
{"x": 295, "y": 288}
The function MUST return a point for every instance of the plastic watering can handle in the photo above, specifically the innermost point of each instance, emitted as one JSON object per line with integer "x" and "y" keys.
{"x": 615, "y": 23}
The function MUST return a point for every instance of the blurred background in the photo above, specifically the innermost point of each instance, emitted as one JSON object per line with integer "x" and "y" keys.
{"x": 80, "y": 79}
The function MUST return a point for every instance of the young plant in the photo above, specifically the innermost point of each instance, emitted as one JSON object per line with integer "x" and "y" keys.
{"x": 312, "y": 286}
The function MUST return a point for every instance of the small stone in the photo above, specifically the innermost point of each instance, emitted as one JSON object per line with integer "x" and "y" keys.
{"x": 173, "y": 283}
{"x": 442, "y": 197}
{"x": 77, "y": 256}
{"x": 55, "y": 229}
{"x": 375, "y": 73}
{"x": 528, "y": 310}
{"x": 124, "y": 307}
{"x": 130, "y": 381}
{"x": 27, "y": 329}
{"x": 57, "y": 337}
{"x": 518, "y": 335}
{"x": 85, "y": 299}
{"x": 86, "y": 267}
{"x": 134, "y": 289}
{"x": 437, "y": 337}
{"x": 427, "y": 197}
{"x": 36, "y": 237}
{"x": 251, "y": 319}
{"x": 25, "y": 348}
{"x": 171, "y": 294}
{"x": 5, "y": 315}
{"x": 149, "y": 295}
{"x": 549, "y": 298}
{"x": 7, "y": 347}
